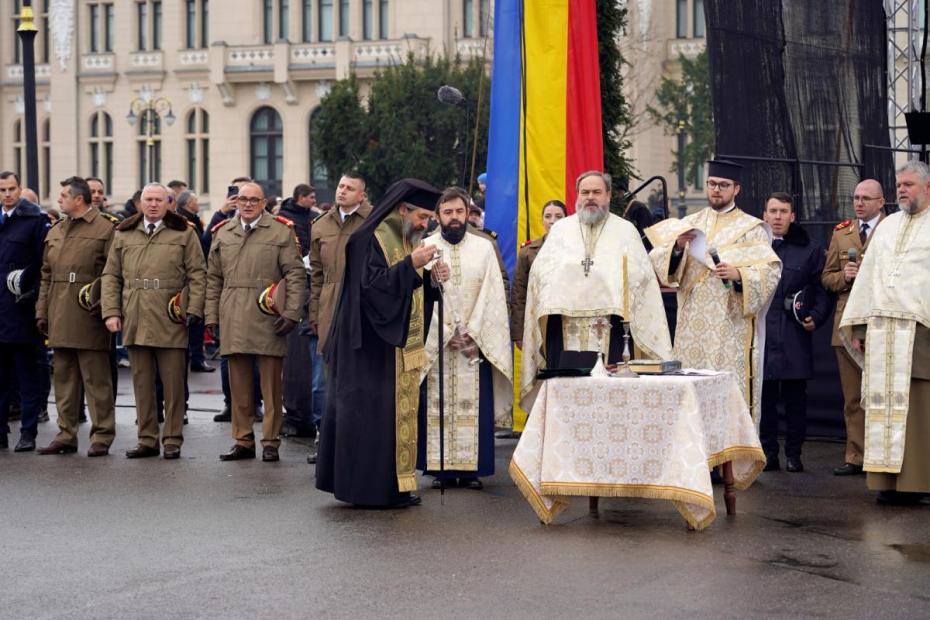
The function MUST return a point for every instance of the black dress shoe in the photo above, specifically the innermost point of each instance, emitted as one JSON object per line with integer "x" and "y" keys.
{"x": 224, "y": 416}
{"x": 898, "y": 498}
{"x": 848, "y": 469}
{"x": 471, "y": 483}
{"x": 238, "y": 453}
{"x": 98, "y": 449}
{"x": 25, "y": 445}
{"x": 413, "y": 500}
{"x": 772, "y": 464}
{"x": 186, "y": 421}
{"x": 793, "y": 464}
{"x": 202, "y": 367}
{"x": 172, "y": 452}
{"x": 270, "y": 454}
{"x": 43, "y": 416}
{"x": 142, "y": 452}
{"x": 450, "y": 483}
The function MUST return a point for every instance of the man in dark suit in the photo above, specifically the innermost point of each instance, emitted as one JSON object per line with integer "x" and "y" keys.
{"x": 23, "y": 227}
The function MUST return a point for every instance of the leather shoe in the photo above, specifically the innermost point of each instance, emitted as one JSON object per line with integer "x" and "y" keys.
{"x": 202, "y": 367}
{"x": 772, "y": 464}
{"x": 848, "y": 469}
{"x": 25, "y": 445}
{"x": 142, "y": 452}
{"x": 4, "y": 442}
{"x": 224, "y": 416}
{"x": 413, "y": 500}
{"x": 898, "y": 498}
{"x": 794, "y": 465}
{"x": 43, "y": 416}
{"x": 56, "y": 447}
{"x": 172, "y": 451}
{"x": 270, "y": 454}
{"x": 98, "y": 449}
{"x": 238, "y": 453}
{"x": 471, "y": 483}
{"x": 450, "y": 483}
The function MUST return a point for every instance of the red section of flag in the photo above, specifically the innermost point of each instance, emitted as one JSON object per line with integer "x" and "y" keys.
{"x": 584, "y": 148}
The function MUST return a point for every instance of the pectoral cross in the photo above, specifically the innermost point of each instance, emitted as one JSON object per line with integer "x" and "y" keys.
{"x": 586, "y": 263}
{"x": 599, "y": 326}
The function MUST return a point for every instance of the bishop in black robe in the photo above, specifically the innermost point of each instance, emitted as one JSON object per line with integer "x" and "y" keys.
{"x": 362, "y": 438}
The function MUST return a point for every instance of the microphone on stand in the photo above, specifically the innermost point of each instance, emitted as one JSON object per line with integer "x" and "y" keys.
{"x": 450, "y": 95}
{"x": 716, "y": 258}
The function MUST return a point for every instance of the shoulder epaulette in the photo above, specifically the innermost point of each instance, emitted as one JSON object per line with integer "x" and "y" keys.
{"x": 113, "y": 219}
{"x": 284, "y": 220}
{"x": 219, "y": 225}
{"x": 526, "y": 243}
{"x": 490, "y": 233}
{"x": 843, "y": 224}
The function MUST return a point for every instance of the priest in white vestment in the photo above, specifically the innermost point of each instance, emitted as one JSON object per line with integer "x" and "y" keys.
{"x": 722, "y": 302}
{"x": 477, "y": 357}
{"x": 886, "y": 329}
{"x": 578, "y": 295}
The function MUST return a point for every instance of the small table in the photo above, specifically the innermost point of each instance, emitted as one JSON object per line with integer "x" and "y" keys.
{"x": 652, "y": 436}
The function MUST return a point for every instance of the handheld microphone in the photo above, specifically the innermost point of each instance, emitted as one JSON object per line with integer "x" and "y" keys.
{"x": 716, "y": 258}
{"x": 852, "y": 254}
{"x": 450, "y": 95}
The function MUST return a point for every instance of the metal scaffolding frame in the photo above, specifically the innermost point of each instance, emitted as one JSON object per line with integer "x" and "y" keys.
{"x": 905, "y": 32}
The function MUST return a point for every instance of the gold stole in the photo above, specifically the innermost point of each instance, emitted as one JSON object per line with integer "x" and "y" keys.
{"x": 407, "y": 362}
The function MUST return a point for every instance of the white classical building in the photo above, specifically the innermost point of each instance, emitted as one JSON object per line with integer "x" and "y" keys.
{"x": 240, "y": 79}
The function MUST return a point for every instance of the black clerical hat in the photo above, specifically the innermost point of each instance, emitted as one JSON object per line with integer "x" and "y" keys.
{"x": 414, "y": 192}
{"x": 724, "y": 169}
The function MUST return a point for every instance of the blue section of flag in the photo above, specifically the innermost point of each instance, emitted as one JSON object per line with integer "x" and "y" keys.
{"x": 501, "y": 200}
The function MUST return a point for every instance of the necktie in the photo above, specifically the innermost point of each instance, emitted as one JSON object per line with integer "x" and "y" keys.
{"x": 776, "y": 243}
{"x": 151, "y": 229}
{"x": 248, "y": 229}
{"x": 863, "y": 233}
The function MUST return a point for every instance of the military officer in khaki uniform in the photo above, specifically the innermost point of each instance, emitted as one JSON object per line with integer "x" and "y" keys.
{"x": 76, "y": 251}
{"x": 552, "y": 211}
{"x": 249, "y": 253}
{"x": 329, "y": 234}
{"x": 838, "y": 276}
{"x": 154, "y": 256}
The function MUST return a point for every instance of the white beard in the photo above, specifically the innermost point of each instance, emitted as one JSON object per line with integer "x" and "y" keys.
{"x": 591, "y": 218}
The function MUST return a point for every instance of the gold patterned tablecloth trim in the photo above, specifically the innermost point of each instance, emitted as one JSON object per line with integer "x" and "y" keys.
{"x": 546, "y": 515}
{"x": 756, "y": 455}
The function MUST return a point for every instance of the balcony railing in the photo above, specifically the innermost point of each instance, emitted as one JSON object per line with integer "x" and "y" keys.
{"x": 98, "y": 63}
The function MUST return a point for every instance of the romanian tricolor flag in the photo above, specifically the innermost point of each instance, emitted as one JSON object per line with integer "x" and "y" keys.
{"x": 545, "y": 126}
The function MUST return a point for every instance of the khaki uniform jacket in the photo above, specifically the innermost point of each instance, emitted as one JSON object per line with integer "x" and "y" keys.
{"x": 328, "y": 238}
{"x": 240, "y": 268}
{"x": 845, "y": 236}
{"x": 143, "y": 274}
{"x": 75, "y": 255}
{"x": 521, "y": 277}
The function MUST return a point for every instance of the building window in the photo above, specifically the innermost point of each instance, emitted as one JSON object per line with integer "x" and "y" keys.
{"x": 484, "y": 7}
{"x": 101, "y": 147}
{"x": 307, "y": 21}
{"x": 468, "y": 18}
{"x": 318, "y": 176}
{"x": 681, "y": 19}
{"x": 94, "y": 28}
{"x": 198, "y": 150}
{"x": 197, "y": 12}
{"x": 17, "y": 45}
{"x": 19, "y": 149}
{"x": 699, "y": 19}
{"x": 101, "y": 31}
{"x": 368, "y": 16}
{"x": 270, "y": 10}
{"x": 326, "y": 20}
{"x": 149, "y": 151}
{"x": 267, "y": 150}
{"x": 42, "y": 18}
{"x": 698, "y": 180}
{"x": 343, "y": 18}
{"x": 45, "y": 163}
{"x": 148, "y": 25}
{"x": 383, "y": 19}
{"x": 284, "y": 12}
{"x": 108, "y": 27}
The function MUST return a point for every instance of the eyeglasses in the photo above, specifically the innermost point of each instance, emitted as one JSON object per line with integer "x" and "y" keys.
{"x": 865, "y": 198}
{"x": 721, "y": 186}
{"x": 253, "y": 201}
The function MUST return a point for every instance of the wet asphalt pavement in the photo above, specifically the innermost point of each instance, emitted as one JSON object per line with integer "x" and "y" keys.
{"x": 114, "y": 538}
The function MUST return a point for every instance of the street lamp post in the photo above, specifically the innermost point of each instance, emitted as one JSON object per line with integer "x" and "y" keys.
{"x": 149, "y": 108}
{"x": 27, "y": 35}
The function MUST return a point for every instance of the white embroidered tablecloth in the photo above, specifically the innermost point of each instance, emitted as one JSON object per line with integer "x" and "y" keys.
{"x": 654, "y": 436}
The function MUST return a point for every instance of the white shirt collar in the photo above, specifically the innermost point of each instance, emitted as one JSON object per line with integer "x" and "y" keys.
{"x": 254, "y": 222}
{"x": 8, "y": 212}
{"x": 345, "y": 214}
{"x": 147, "y": 222}
{"x": 872, "y": 224}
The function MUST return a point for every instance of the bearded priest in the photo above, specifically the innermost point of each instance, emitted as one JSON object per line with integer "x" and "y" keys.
{"x": 375, "y": 355}
{"x": 478, "y": 364}
{"x": 591, "y": 275}
{"x": 722, "y": 262}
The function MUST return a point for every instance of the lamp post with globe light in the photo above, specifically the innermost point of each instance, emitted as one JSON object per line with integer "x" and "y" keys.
{"x": 150, "y": 109}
